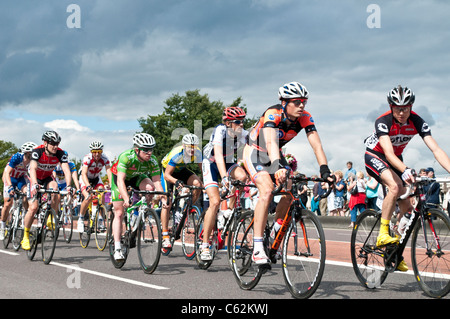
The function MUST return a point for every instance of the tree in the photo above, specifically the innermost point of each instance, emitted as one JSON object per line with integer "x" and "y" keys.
{"x": 191, "y": 113}
{"x": 7, "y": 149}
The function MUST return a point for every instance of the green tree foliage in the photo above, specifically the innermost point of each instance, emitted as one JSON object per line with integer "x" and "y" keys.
{"x": 190, "y": 113}
{"x": 7, "y": 149}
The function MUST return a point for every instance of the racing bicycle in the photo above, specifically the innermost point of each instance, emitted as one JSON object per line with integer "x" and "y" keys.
{"x": 143, "y": 232}
{"x": 300, "y": 241}
{"x": 14, "y": 225}
{"x": 429, "y": 229}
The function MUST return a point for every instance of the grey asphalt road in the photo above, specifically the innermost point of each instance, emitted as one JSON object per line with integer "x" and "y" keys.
{"x": 88, "y": 273}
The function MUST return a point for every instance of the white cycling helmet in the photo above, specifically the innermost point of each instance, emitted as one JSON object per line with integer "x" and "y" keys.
{"x": 190, "y": 139}
{"x": 96, "y": 145}
{"x": 401, "y": 96}
{"x": 293, "y": 90}
{"x": 27, "y": 147}
{"x": 144, "y": 140}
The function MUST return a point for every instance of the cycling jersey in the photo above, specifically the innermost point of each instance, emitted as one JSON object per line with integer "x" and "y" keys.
{"x": 178, "y": 158}
{"x": 275, "y": 117}
{"x": 19, "y": 169}
{"x": 129, "y": 164}
{"x": 400, "y": 135}
{"x": 95, "y": 167}
{"x": 60, "y": 179}
{"x": 46, "y": 164}
{"x": 229, "y": 144}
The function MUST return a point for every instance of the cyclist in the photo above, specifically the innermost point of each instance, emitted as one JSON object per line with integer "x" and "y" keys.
{"x": 58, "y": 175}
{"x": 130, "y": 170}
{"x": 44, "y": 159}
{"x": 263, "y": 158}
{"x": 15, "y": 175}
{"x": 176, "y": 173}
{"x": 93, "y": 163}
{"x": 383, "y": 157}
{"x": 219, "y": 161}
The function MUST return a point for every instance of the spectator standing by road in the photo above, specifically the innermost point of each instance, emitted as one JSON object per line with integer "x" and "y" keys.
{"x": 358, "y": 200}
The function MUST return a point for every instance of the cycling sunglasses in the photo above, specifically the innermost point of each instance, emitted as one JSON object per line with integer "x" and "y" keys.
{"x": 146, "y": 149}
{"x": 297, "y": 102}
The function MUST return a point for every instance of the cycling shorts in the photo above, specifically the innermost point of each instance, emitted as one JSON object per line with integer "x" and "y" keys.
{"x": 211, "y": 172}
{"x": 376, "y": 163}
{"x": 43, "y": 183}
{"x": 15, "y": 182}
{"x": 133, "y": 183}
{"x": 183, "y": 175}
{"x": 95, "y": 182}
{"x": 256, "y": 162}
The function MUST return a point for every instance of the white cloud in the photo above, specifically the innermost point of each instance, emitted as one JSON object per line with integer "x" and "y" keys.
{"x": 61, "y": 125}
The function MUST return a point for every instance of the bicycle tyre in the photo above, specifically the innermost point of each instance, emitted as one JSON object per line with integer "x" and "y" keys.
{"x": 8, "y": 230}
{"x": 432, "y": 266}
{"x": 34, "y": 241}
{"x": 117, "y": 264}
{"x": 367, "y": 259}
{"x": 188, "y": 233}
{"x": 85, "y": 235}
{"x": 213, "y": 244}
{"x": 67, "y": 223}
{"x": 50, "y": 231}
{"x": 246, "y": 274}
{"x": 304, "y": 253}
{"x": 17, "y": 233}
{"x": 149, "y": 241}
{"x": 101, "y": 231}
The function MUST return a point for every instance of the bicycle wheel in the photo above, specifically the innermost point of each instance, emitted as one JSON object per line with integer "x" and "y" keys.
{"x": 85, "y": 235}
{"x": 66, "y": 223}
{"x": 367, "y": 258}
{"x": 50, "y": 231}
{"x": 213, "y": 244}
{"x": 117, "y": 263}
{"x": 101, "y": 227}
{"x": 17, "y": 232}
{"x": 149, "y": 241}
{"x": 8, "y": 229}
{"x": 304, "y": 252}
{"x": 34, "y": 241}
{"x": 188, "y": 233}
{"x": 247, "y": 275}
{"x": 430, "y": 253}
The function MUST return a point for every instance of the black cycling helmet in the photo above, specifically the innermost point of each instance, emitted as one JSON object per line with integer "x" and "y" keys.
{"x": 400, "y": 96}
{"x": 51, "y": 136}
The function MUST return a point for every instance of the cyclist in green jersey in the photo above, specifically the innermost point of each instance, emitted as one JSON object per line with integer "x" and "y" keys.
{"x": 176, "y": 173}
{"x": 131, "y": 169}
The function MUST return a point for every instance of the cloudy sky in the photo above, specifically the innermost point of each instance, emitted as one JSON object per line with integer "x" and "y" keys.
{"x": 128, "y": 57}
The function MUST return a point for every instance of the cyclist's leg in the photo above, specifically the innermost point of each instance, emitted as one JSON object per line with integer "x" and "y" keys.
{"x": 209, "y": 220}
{"x": 265, "y": 186}
{"x": 117, "y": 202}
{"x": 7, "y": 204}
{"x": 83, "y": 207}
{"x": 236, "y": 172}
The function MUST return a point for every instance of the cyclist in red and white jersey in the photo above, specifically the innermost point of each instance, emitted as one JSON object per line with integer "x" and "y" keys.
{"x": 93, "y": 163}
{"x": 383, "y": 158}
{"x": 44, "y": 159}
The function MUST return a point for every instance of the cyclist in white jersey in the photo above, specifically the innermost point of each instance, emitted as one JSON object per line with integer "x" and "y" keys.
{"x": 93, "y": 163}
{"x": 219, "y": 160}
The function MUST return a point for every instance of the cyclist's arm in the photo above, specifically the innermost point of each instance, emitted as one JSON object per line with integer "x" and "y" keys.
{"x": 32, "y": 172}
{"x": 168, "y": 174}
{"x": 438, "y": 152}
{"x": 220, "y": 160}
{"x": 316, "y": 145}
{"x": 272, "y": 145}
{"x": 67, "y": 174}
{"x": 109, "y": 173}
{"x": 7, "y": 176}
{"x": 75, "y": 180}
{"x": 388, "y": 149}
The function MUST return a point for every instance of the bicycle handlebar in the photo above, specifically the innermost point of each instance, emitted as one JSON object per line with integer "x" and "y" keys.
{"x": 299, "y": 178}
